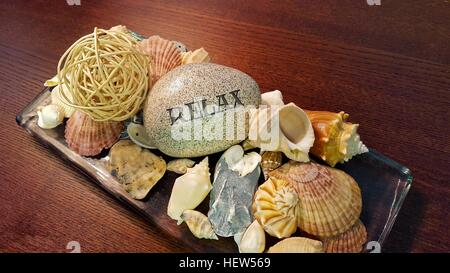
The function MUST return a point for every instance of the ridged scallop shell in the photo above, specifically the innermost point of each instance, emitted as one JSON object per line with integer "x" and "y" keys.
{"x": 56, "y": 99}
{"x": 276, "y": 207}
{"x": 199, "y": 55}
{"x": 337, "y": 141}
{"x": 297, "y": 245}
{"x": 270, "y": 161}
{"x": 329, "y": 199}
{"x": 351, "y": 241}
{"x": 137, "y": 169}
{"x": 88, "y": 137}
{"x": 283, "y": 128}
{"x": 164, "y": 56}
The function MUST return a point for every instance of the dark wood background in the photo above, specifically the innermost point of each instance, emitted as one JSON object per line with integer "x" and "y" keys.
{"x": 388, "y": 66}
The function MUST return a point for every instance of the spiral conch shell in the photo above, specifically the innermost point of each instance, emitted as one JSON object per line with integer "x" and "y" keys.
{"x": 351, "y": 241}
{"x": 253, "y": 240}
{"x": 189, "y": 190}
{"x": 283, "y": 128}
{"x": 197, "y": 56}
{"x": 329, "y": 200}
{"x": 198, "y": 224}
{"x": 297, "y": 245}
{"x": 337, "y": 141}
{"x": 276, "y": 207}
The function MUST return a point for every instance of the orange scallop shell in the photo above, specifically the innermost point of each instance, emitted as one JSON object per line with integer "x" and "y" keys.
{"x": 329, "y": 200}
{"x": 164, "y": 56}
{"x": 351, "y": 241}
{"x": 88, "y": 137}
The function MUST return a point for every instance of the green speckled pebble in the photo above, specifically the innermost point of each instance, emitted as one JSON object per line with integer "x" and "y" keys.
{"x": 196, "y": 96}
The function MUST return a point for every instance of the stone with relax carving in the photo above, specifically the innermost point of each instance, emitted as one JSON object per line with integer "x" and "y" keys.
{"x": 199, "y": 109}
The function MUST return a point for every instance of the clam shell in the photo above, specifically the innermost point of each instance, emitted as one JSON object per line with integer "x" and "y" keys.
{"x": 180, "y": 166}
{"x": 297, "y": 245}
{"x": 284, "y": 128}
{"x": 276, "y": 207}
{"x": 270, "y": 161}
{"x": 88, "y": 137}
{"x": 164, "y": 56}
{"x": 351, "y": 241}
{"x": 198, "y": 224}
{"x": 253, "y": 240}
{"x": 329, "y": 199}
{"x": 337, "y": 141}
{"x": 137, "y": 169}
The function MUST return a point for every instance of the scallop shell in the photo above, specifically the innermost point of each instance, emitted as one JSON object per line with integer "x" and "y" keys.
{"x": 198, "y": 224}
{"x": 351, "y": 241}
{"x": 297, "y": 245}
{"x": 137, "y": 169}
{"x": 270, "y": 161}
{"x": 199, "y": 55}
{"x": 276, "y": 207}
{"x": 329, "y": 199}
{"x": 337, "y": 141}
{"x": 56, "y": 99}
{"x": 180, "y": 166}
{"x": 88, "y": 137}
{"x": 284, "y": 128}
{"x": 189, "y": 190}
{"x": 253, "y": 240}
{"x": 164, "y": 56}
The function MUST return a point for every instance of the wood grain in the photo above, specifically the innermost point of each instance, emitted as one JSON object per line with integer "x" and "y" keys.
{"x": 388, "y": 66}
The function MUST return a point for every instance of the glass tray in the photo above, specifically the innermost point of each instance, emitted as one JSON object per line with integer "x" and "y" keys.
{"x": 384, "y": 185}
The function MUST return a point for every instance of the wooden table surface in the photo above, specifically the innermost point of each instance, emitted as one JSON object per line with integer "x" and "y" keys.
{"x": 388, "y": 66}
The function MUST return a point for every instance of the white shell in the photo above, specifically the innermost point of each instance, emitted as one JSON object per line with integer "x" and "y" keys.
{"x": 139, "y": 136}
{"x": 284, "y": 128}
{"x": 199, "y": 224}
{"x": 199, "y": 55}
{"x": 189, "y": 190}
{"x": 240, "y": 163}
{"x": 272, "y": 98}
{"x": 253, "y": 240}
{"x": 50, "y": 116}
{"x": 180, "y": 165}
{"x": 57, "y": 99}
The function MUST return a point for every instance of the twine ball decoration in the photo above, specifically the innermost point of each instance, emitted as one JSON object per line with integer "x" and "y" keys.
{"x": 105, "y": 75}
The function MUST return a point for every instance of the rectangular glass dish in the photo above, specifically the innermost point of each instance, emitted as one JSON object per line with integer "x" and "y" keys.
{"x": 384, "y": 185}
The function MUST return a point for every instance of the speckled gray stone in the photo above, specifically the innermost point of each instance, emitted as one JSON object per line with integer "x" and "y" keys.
{"x": 192, "y": 99}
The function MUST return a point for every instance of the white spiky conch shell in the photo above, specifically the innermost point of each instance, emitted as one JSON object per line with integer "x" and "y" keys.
{"x": 199, "y": 224}
{"x": 239, "y": 162}
{"x": 189, "y": 190}
{"x": 283, "y": 128}
{"x": 253, "y": 240}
